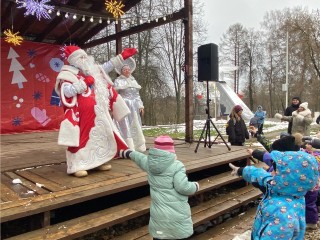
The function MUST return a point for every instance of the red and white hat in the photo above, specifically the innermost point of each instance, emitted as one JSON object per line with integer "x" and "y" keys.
{"x": 73, "y": 53}
{"x": 165, "y": 143}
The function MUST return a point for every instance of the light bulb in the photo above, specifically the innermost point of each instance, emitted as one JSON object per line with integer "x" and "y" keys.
{"x": 75, "y": 16}
{"x": 157, "y": 20}
{"x": 116, "y": 22}
{"x": 148, "y": 20}
{"x": 141, "y": 21}
{"x": 83, "y": 18}
{"x": 108, "y": 21}
{"x": 91, "y": 19}
{"x": 58, "y": 13}
{"x": 49, "y": 11}
{"x": 124, "y": 21}
{"x": 164, "y": 18}
{"x": 100, "y": 20}
{"x": 66, "y": 15}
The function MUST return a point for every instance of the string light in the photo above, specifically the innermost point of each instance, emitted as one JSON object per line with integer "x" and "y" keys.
{"x": 33, "y": 7}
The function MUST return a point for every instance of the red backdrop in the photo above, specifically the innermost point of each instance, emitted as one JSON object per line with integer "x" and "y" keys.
{"x": 28, "y": 75}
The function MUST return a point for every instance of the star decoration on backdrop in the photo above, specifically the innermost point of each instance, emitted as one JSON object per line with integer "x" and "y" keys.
{"x": 17, "y": 121}
{"x": 13, "y": 38}
{"x": 115, "y": 8}
{"x": 32, "y": 53}
{"x": 37, "y": 95}
{"x": 38, "y": 8}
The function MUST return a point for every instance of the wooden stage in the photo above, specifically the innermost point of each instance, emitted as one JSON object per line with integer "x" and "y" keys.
{"x": 37, "y": 160}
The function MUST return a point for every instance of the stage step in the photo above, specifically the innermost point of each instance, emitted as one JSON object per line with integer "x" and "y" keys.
{"x": 95, "y": 221}
{"x": 207, "y": 211}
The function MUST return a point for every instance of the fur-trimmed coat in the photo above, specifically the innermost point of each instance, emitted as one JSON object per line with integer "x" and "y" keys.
{"x": 301, "y": 121}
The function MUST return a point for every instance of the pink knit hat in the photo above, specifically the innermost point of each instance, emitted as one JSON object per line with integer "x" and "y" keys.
{"x": 165, "y": 143}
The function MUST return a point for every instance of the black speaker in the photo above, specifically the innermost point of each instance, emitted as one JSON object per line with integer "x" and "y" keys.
{"x": 208, "y": 62}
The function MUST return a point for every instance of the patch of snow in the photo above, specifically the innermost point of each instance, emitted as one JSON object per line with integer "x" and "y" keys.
{"x": 16, "y": 181}
{"x": 39, "y": 185}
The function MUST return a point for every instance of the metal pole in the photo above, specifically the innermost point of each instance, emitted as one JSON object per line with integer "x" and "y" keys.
{"x": 287, "y": 68}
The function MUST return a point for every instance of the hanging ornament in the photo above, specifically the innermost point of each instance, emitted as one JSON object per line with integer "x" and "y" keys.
{"x": 38, "y": 8}
{"x": 115, "y": 8}
{"x": 13, "y": 37}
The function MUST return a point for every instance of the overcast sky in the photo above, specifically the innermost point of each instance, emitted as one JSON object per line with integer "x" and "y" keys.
{"x": 220, "y": 14}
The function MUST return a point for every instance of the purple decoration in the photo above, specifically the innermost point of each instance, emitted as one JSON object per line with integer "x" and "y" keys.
{"x": 37, "y": 8}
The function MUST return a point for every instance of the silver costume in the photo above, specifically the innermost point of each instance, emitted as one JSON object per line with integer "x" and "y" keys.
{"x": 130, "y": 127}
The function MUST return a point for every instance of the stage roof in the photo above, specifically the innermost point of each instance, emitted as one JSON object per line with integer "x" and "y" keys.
{"x": 59, "y": 29}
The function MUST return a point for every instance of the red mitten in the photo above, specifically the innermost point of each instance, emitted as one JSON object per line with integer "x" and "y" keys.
{"x": 89, "y": 80}
{"x": 128, "y": 52}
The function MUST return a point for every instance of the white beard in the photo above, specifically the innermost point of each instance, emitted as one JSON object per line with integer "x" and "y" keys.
{"x": 89, "y": 67}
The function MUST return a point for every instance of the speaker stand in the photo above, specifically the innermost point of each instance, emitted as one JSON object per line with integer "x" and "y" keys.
{"x": 207, "y": 126}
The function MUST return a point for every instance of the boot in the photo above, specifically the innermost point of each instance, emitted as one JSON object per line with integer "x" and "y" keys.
{"x": 104, "y": 167}
{"x": 82, "y": 173}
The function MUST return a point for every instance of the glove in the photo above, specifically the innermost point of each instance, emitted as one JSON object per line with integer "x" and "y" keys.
{"x": 125, "y": 153}
{"x": 89, "y": 80}
{"x": 278, "y": 116}
{"x": 128, "y": 52}
{"x": 234, "y": 169}
{"x": 294, "y": 113}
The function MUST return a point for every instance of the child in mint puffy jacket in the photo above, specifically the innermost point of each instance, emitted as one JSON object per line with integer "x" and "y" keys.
{"x": 170, "y": 214}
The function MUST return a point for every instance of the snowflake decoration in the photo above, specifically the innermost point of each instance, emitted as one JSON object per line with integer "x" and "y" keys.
{"x": 17, "y": 121}
{"x": 12, "y": 37}
{"x": 32, "y": 53}
{"x": 37, "y": 95}
{"x": 115, "y": 8}
{"x": 38, "y": 8}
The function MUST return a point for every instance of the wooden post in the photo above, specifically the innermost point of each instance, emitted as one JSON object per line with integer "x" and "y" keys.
{"x": 188, "y": 70}
{"x": 119, "y": 39}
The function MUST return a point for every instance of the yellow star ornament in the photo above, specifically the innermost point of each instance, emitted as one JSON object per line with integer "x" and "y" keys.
{"x": 115, "y": 8}
{"x": 13, "y": 38}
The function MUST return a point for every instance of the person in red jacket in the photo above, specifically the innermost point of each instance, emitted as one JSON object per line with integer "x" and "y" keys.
{"x": 88, "y": 97}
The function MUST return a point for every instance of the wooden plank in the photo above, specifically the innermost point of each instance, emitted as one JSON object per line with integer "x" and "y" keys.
{"x": 232, "y": 203}
{"x": 90, "y": 223}
{"x": 30, "y": 185}
{"x": 138, "y": 233}
{"x": 13, "y": 192}
{"x": 205, "y": 211}
{"x": 72, "y": 196}
{"x": 240, "y": 223}
{"x": 7, "y": 194}
{"x": 47, "y": 183}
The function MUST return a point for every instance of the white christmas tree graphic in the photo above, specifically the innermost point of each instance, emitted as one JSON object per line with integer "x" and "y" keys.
{"x": 16, "y": 68}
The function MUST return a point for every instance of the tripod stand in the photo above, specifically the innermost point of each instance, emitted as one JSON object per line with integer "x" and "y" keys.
{"x": 207, "y": 126}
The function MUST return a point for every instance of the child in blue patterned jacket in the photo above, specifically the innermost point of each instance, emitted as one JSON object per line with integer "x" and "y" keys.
{"x": 281, "y": 212}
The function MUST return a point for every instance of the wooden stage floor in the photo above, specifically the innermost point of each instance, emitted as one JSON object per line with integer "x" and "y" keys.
{"x": 37, "y": 160}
